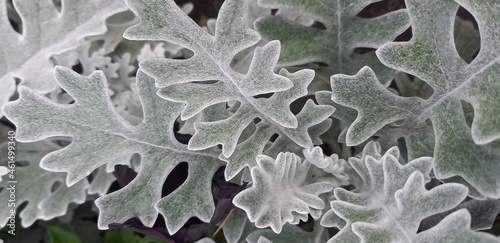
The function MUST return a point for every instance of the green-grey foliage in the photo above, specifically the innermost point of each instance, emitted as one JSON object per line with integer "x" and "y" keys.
{"x": 281, "y": 192}
{"x": 46, "y": 32}
{"x": 99, "y": 96}
{"x": 335, "y": 45}
{"x": 392, "y": 200}
{"x": 211, "y": 61}
{"x": 160, "y": 153}
{"x": 469, "y": 152}
{"x": 37, "y": 186}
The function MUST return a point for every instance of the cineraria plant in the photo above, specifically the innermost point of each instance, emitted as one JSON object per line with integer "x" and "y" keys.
{"x": 278, "y": 121}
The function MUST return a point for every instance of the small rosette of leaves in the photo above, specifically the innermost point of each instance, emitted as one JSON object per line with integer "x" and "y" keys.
{"x": 280, "y": 192}
{"x": 391, "y": 201}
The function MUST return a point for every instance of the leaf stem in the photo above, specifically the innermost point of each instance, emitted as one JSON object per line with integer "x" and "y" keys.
{"x": 322, "y": 78}
{"x": 223, "y": 222}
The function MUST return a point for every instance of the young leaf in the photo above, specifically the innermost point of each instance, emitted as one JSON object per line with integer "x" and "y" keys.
{"x": 330, "y": 169}
{"x": 280, "y": 193}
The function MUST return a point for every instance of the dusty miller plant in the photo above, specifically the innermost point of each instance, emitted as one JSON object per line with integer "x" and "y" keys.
{"x": 410, "y": 132}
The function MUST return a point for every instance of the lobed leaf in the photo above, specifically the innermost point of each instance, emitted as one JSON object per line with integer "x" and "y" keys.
{"x": 335, "y": 45}
{"x": 392, "y": 201}
{"x": 100, "y": 135}
{"x": 184, "y": 81}
{"x": 431, "y": 56}
{"x": 279, "y": 193}
{"x": 37, "y": 186}
{"x": 290, "y": 233}
{"x": 46, "y": 32}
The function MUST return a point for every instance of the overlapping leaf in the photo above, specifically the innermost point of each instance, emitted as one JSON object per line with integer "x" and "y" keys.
{"x": 36, "y": 186}
{"x": 335, "y": 45}
{"x": 100, "y": 135}
{"x": 331, "y": 169}
{"x": 471, "y": 153}
{"x": 238, "y": 227}
{"x": 455, "y": 228}
{"x": 290, "y": 233}
{"x": 163, "y": 20}
{"x": 391, "y": 202}
{"x": 116, "y": 26}
{"x": 46, "y": 32}
{"x": 280, "y": 193}
{"x": 483, "y": 214}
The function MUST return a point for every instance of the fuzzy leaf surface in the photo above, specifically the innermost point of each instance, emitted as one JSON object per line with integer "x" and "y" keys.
{"x": 183, "y": 81}
{"x": 34, "y": 185}
{"x": 335, "y": 45}
{"x": 471, "y": 153}
{"x": 46, "y": 32}
{"x": 100, "y": 135}
{"x": 391, "y": 201}
{"x": 290, "y": 233}
{"x": 280, "y": 193}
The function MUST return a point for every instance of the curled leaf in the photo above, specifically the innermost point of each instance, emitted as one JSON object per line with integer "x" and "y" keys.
{"x": 280, "y": 193}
